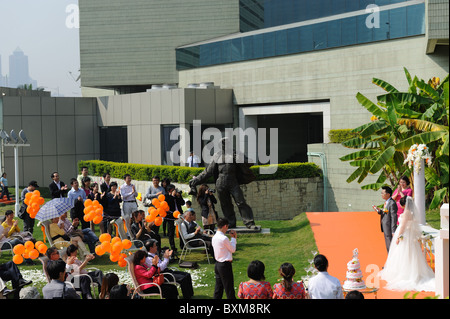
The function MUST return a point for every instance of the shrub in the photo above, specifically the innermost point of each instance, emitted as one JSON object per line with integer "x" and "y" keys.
{"x": 182, "y": 174}
{"x": 339, "y": 136}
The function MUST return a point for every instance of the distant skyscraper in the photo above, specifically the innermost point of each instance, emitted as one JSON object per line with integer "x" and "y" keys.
{"x": 2, "y": 78}
{"x": 18, "y": 70}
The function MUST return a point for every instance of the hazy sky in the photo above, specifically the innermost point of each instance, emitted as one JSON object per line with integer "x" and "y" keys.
{"x": 39, "y": 28}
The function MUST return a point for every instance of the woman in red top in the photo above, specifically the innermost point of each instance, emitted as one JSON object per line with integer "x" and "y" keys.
{"x": 255, "y": 288}
{"x": 288, "y": 289}
{"x": 145, "y": 275}
{"x": 402, "y": 190}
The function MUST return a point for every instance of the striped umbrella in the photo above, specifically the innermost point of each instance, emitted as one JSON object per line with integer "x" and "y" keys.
{"x": 54, "y": 208}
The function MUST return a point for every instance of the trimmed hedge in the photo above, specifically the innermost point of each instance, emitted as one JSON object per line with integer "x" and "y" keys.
{"x": 182, "y": 174}
{"x": 339, "y": 136}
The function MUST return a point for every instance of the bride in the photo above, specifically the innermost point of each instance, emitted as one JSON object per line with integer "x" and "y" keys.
{"x": 406, "y": 267}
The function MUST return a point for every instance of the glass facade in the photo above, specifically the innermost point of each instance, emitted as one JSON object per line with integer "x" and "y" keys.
{"x": 394, "y": 23}
{"x": 259, "y": 14}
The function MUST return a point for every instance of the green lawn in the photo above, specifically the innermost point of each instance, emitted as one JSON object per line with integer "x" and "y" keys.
{"x": 289, "y": 241}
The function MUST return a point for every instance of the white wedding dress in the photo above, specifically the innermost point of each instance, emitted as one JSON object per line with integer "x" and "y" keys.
{"x": 406, "y": 267}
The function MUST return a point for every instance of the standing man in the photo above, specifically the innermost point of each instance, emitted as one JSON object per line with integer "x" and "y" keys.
{"x": 57, "y": 188}
{"x": 193, "y": 160}
{"x": 129, "y": 194}
{"x": 223, "y": 250}
{"x": 28, "y": 222}
{"x": 388, "y": 215}
{"x": 84, "y": 173}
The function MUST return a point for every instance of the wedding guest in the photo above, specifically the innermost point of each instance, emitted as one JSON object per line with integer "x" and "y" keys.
{"x": 129, "y": 194}
{"x": 109, "y": 281}
{"x": 5, "y": 242}
{"x": 86, "y": 185}
{"x": 111, "y": 210}
{"x": 206, "y": 201}
{"x": 323, "y": 285}
{"x": 96, "y": 195}
{"x": 144, "y": 276}
{"x": 165, "y": 184}
{"x": 10, "y": 272}
{"x": 354, "y": 294}
{"x": 76, "y": 267}
{"x": 193, "y": 160}
{"x": 154, "y": 191}
{"x": 105, "y": 187}
{"x": 190, "y": 230}
{"x": 256, "y": 287}
{"x": 223, "y": 252}
{"x": 76, "y": 235}
{"x": 120, "y": 292}
{"x": 84, "y": 173}
{"x": 175, "y": 202}
{"x": 4, "y": 184}
{"x": 183, "y": 278}
{"x": 403, "y": 189}
{"x": 12, "y": 229}
{"x": 57, "y": 288}
{"x": 28, "y": 222}
{"x": 57, "y": 188}
{"x": 141, "y": 230}
{"x": 288, "y": 289}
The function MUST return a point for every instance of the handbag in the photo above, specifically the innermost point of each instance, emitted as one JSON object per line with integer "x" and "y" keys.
{"x": 158, "y": 278}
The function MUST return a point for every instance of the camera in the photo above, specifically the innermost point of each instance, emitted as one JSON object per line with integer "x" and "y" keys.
{"x": 212, "y": 191}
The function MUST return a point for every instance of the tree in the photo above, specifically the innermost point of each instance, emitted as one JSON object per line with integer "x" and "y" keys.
{"x": 401, "y": 119}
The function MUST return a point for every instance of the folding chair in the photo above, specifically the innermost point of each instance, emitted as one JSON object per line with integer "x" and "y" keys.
{"x": 137, "y": 287}
{"x": 120, "y": 229}
{"x": 187, "y": 247}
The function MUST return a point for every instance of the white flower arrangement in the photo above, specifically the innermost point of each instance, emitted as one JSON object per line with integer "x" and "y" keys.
{"x": 416, "y": 154}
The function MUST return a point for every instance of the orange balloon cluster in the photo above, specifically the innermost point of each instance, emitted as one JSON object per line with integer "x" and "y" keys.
{"x": 158, "y": 211}
{"x": 93, "y": 211}
{"x": 114, "y": 247}
{"x": 34, "y": 202}
{"x": 28, "y": 250}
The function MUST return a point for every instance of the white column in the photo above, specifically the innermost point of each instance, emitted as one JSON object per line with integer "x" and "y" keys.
{"x": 16, "y": 179}
{"x": 442, "y": 256}
{"x": 419, "y": 192}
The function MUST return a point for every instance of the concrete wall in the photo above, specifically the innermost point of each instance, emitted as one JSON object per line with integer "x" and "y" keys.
{"x": 133, "y": 42}
{"x": 270, "y": 200}
{"x": 60, "y": 131}
{"x": 144, "y": 113}
{"x": 343, "y": 196}
{"x": 336, "y": 75}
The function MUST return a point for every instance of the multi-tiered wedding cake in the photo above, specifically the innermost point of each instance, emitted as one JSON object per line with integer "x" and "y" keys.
{"x": 354, "y": 275}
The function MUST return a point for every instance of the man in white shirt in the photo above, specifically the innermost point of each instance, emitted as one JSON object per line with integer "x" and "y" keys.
{"x": 223, "y": 253}
{"x": 323, "y": 285}
{"x": 193, "y": 160}
{"x": 129, "y": 194}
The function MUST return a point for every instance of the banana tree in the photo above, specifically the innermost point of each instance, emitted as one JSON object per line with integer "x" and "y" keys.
{"x": 401, "y": 119}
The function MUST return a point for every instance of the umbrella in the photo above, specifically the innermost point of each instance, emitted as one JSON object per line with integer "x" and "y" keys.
{"x": 54, "y": 208}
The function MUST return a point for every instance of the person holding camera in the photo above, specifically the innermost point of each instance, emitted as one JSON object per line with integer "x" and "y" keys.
{"x": 175, "y": 202}
{"x": 206, "y": 201}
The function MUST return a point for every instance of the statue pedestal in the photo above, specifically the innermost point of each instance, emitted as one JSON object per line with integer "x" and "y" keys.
{"x": 245, "y": 230}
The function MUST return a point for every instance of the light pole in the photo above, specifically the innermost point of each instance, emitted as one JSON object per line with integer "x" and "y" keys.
{"x": 12, "y": 140}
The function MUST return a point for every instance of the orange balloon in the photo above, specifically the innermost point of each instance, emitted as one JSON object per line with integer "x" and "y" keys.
{"x": 100, "y": 250}
{"x": 116, "y": 248}
{"x": 176, "y": 214}
{"x": 104, "y": 237}
{"x": 114, "y": 258}
{"x": 97, "y": 219}
{"x": 115, "y": 240}
{"x": 106, "y": 246}
{"x": 42, "y": 249}
{"x": 27, "y": 200}
{"x": 122, "y": 263}
{"x": 163, "y": 214}
{"x": 161, "y": 198}
{"x": 36, "y": 192}
{"x": 29, "y": 245}
{"x": 17, "y": 259}
{"x": 156, "y": 202}
{"x": 158, "y": 221}
{"x": 19, "y": 249}
{"x": 28, "y": 195}
{"x": 33, "y": 254}
{"x": 149, "y": 219}
{"x": 41, "y": 201}
{"x": 88, "y": 202}
{"x": 126, "y": 244}
{"x": 98, "y": 211}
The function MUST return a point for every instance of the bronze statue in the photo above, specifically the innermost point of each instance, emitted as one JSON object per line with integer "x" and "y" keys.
{"x": 229, "y": 171}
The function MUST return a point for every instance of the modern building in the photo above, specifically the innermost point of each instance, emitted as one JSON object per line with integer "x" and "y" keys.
{"x": 149, "y": 67}
{"x": 19, "y": 71}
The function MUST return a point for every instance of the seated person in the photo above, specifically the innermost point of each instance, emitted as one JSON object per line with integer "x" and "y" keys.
{"x": 190, "y": 230}
{"x": 141, "y": 230}
{"x": 288, "y": 289}
{"x": 12, "y": 228}
{"x": 181, "y": 277}
{"x": 144, "y": 276}
{"x": 57, "y": 288}
{"x": 76, "y": 267}
{"x": 5, "y": 242}
{"x": 76, "y": 235}
{"x": 10, "y": 272}
{"x": 256, "y": 287}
